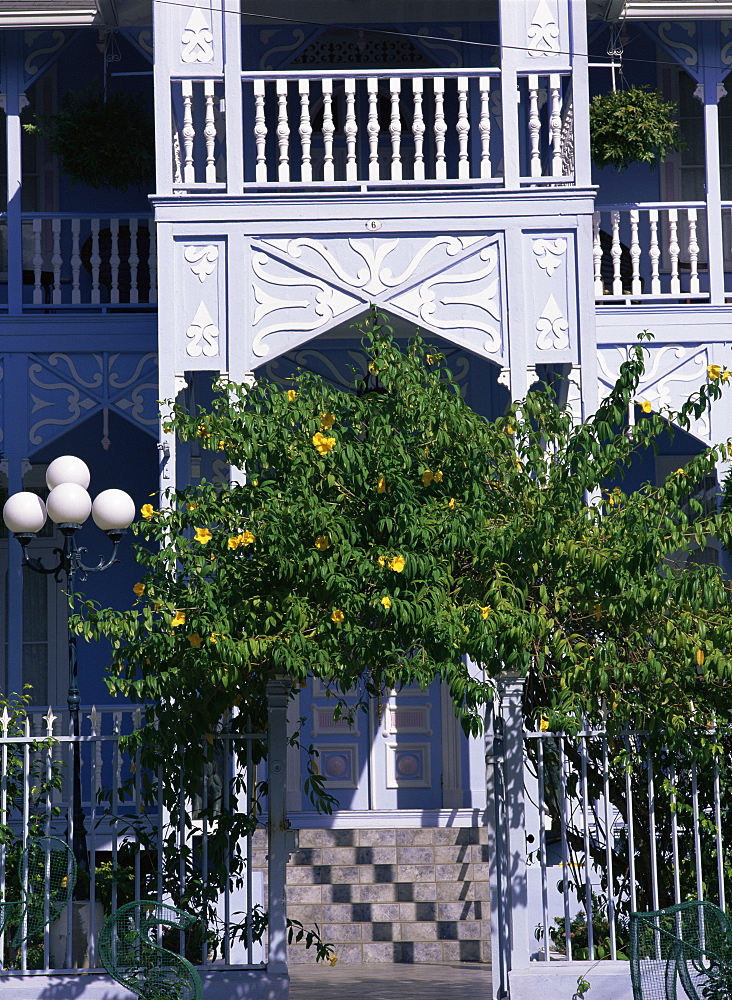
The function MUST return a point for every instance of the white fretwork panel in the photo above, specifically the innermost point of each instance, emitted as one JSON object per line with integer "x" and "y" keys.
{"x": 550, "y": 283}
{"x": 545, "y": 35}
{"x": 673, "y": 372}
{"x": 449, "y": 285}
{"x": 195, "y": 44}
{"x": 64, "y": 389}
{"x": 200, "y": 269}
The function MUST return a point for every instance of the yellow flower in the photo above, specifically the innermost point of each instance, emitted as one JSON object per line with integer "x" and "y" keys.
{"x": 726, "y": 376}
{"x": 381, "y": 485}
{"x": 543, "y": 723}
{"x": 195, "y": 640}
{"x": 382, "y": 561}
{"x": 680, "y": 472}
{"x": 397, "y": 563}
{"x": 437, "y": 478}
{"x": 322, "y": 542}
{"x": 451, "y": 503}
{"x": 427, "y": 477}
{"x": 714, "y": 372}
{"x": 214, "y": 637}
{"x": 179, "y": 618}
{"x": 386, "y": 601}
{"x": 222, "y": 445}
{"x": 372, "y": 368}
{"x": 147, "y": 510}
{"x": 333, "y": 959}
{"x": 647, "y": 406}
{"x": 245, "y": 538}
{"x": 337, "y": 615}
{"x": 291, "y": 395}
{"x": 203, "y": 535}
{"x": 204, "y": 432}
{"x": 139, "y": 589}
{"x": 700, "y": 657}
{"x": 327, "y": 420}
{"x": 509, "y": 429}
{"x": 431, "y": 359}
{"x": 323, "y": 444}
{"x": 597, "y": 609}
{"x": 485, "y": 611}
{"x": 190, "y": 506}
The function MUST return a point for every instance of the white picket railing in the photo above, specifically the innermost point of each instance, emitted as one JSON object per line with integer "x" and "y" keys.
{"x": 651, "y": 251}
{"x": 126, "y": 833}
{"x": 78, "y": 260}
{"x": 364, "y": 126}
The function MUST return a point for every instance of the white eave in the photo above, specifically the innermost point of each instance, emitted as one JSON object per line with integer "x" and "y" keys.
{"x": 48, "y": 13}
{"x": 667, "y": 10}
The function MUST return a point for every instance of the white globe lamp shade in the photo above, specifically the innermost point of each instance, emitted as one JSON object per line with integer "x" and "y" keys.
{"x": 67, "y": 469}
{"x": 24, "y": 513}
{"x": 68, "y": 503}
{"x": 113, "y": 510}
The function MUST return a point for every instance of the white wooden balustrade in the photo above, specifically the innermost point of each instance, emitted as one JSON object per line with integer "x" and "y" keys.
{"x": 651, "y": 251}
{"x": 364, "y": 126}
{"x": 79, "y": 260}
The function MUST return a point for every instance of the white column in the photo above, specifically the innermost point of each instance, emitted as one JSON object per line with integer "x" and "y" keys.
{"x": 710, "y": 82}
{"x": 278, "y": 694}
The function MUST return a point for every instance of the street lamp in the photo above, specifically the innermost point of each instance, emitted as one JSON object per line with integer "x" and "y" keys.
{"x": 69, "y": 505}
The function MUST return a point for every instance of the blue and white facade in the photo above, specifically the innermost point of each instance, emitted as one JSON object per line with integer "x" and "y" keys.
{"x": 314, "y": 158}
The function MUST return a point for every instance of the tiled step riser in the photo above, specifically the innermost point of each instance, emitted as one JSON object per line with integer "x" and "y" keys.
{"x": 392, "y": 895}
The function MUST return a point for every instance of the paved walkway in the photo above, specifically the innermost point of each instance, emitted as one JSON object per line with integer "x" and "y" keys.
{"x": 467, "y": 981}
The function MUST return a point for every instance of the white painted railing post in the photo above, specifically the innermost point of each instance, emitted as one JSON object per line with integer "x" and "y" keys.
{"x": 278, "y": 696}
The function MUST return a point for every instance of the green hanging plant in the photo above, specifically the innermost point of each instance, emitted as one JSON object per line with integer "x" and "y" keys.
{"x": 632, "y": 126}
{"x": 102, "y": 144}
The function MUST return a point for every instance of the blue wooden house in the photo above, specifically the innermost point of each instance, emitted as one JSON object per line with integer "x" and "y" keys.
{"x": 312, "y": 159}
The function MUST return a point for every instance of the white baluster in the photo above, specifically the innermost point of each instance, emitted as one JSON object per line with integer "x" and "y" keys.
{"x": 534, "y": 126}
{"x": 555, "y": 123}
{"x": 189, "y": 133}
{"x": 693, "y": 253}
{"x": 283, "y": 133}
{"x": 616, "y": 252}
{"x": 440, "y": 128}
{"x": 209, "y": 131}
{"x": 152, "y": 262}
{"x": 114, "y": 260}
{"x": 351, "y": 130}
{"x": 372, "y": 127}
{"x": 418, "y": 128}
{"x": 37, "y": 262}
{"x": 462, "y": 128}
{"x": 56, "y": 260}
{"x": 134, "y": 261}
{"x": 95, "y": 260}
{"x": 260, "y": 132}
{"x": 597, "y": 255}
{"x": 635, "y": 252}
{"x": 306, "y": 132}
{"x": 395, "y": 129}
{"x": 328, "y": 130}
{"x": 75, "y": 260}
{"x": 655, "y": 252}
{"x": 673, "y": 249}
{"x": 177, "y": 158}
{"x": 484, "y": 126}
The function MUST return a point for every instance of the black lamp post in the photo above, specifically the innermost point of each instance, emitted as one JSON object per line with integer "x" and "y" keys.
{"x": 69, "y": 505}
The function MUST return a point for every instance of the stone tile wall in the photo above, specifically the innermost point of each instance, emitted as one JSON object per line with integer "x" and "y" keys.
{"x": 398, "y": 895}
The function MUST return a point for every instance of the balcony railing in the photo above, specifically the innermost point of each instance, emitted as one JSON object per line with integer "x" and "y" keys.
{"x": 355, "y": 127}
{"x": 75, "y": 261}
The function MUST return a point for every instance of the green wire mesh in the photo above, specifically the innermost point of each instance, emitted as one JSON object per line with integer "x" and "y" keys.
{"x": 129, "y": 951}
{"x": 684, "y": 951}
{"x": 47, "y": 876}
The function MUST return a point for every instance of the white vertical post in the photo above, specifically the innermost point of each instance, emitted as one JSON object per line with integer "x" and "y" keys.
{"x": 462, "y": 128}
{"x": 328, "y": 130}
{"x": 75, "y": 260}
{"x": 209, "y": 131}
{"x": 133, "y": 260}
{"x": 152, "y": 263}
{"x": 484, "y": 126}
{"x": 693, "y": 253}
{"x": 260, "y": 132}
{"x": 711, "y": 79}
{"x": 395, "y": 129}
{"x": 635, "y": 252}
{"x": 278, "y": 694}
{"x": 438, "y": 84}
{"x": 555, "y": 123}
{"x": 655, "y": 252}
{"x": 13, "y": 77}
{"x": 616, "y": 253}
{"x": 56, "y": 260}
{"x": 95, "y": 260}
{"x": 418, "y": 127}
{"x": 534, "y": 125}
{"x": 306, "y": 131}
{"x": 37, "y": 261}
{"x": 233, "y": 118}
{"x": 597, "y": 255}
{"x": 189, "y": 133}
{"x": 372, "y": 127}
{"x": 351, "y": 130}
{"x": 283, "y": 133}
{"x": 114, "y": 260}
{"x": 673, "y": 249}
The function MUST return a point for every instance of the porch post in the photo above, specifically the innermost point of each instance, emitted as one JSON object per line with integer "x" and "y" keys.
{"x": 510, "y": 938}
{"x": 12, "y": 82}
{"x": 278, "y": 696}
{"x": 711, "y": 84}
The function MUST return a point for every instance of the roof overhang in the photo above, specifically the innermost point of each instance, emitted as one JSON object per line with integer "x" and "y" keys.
{"x": 667, "y": 10}
{"x": 48, "y": 13}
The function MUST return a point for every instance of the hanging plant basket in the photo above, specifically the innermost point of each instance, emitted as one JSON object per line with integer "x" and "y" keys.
{"x": 102, "y": 144}
{"x": 632, "y": 126}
